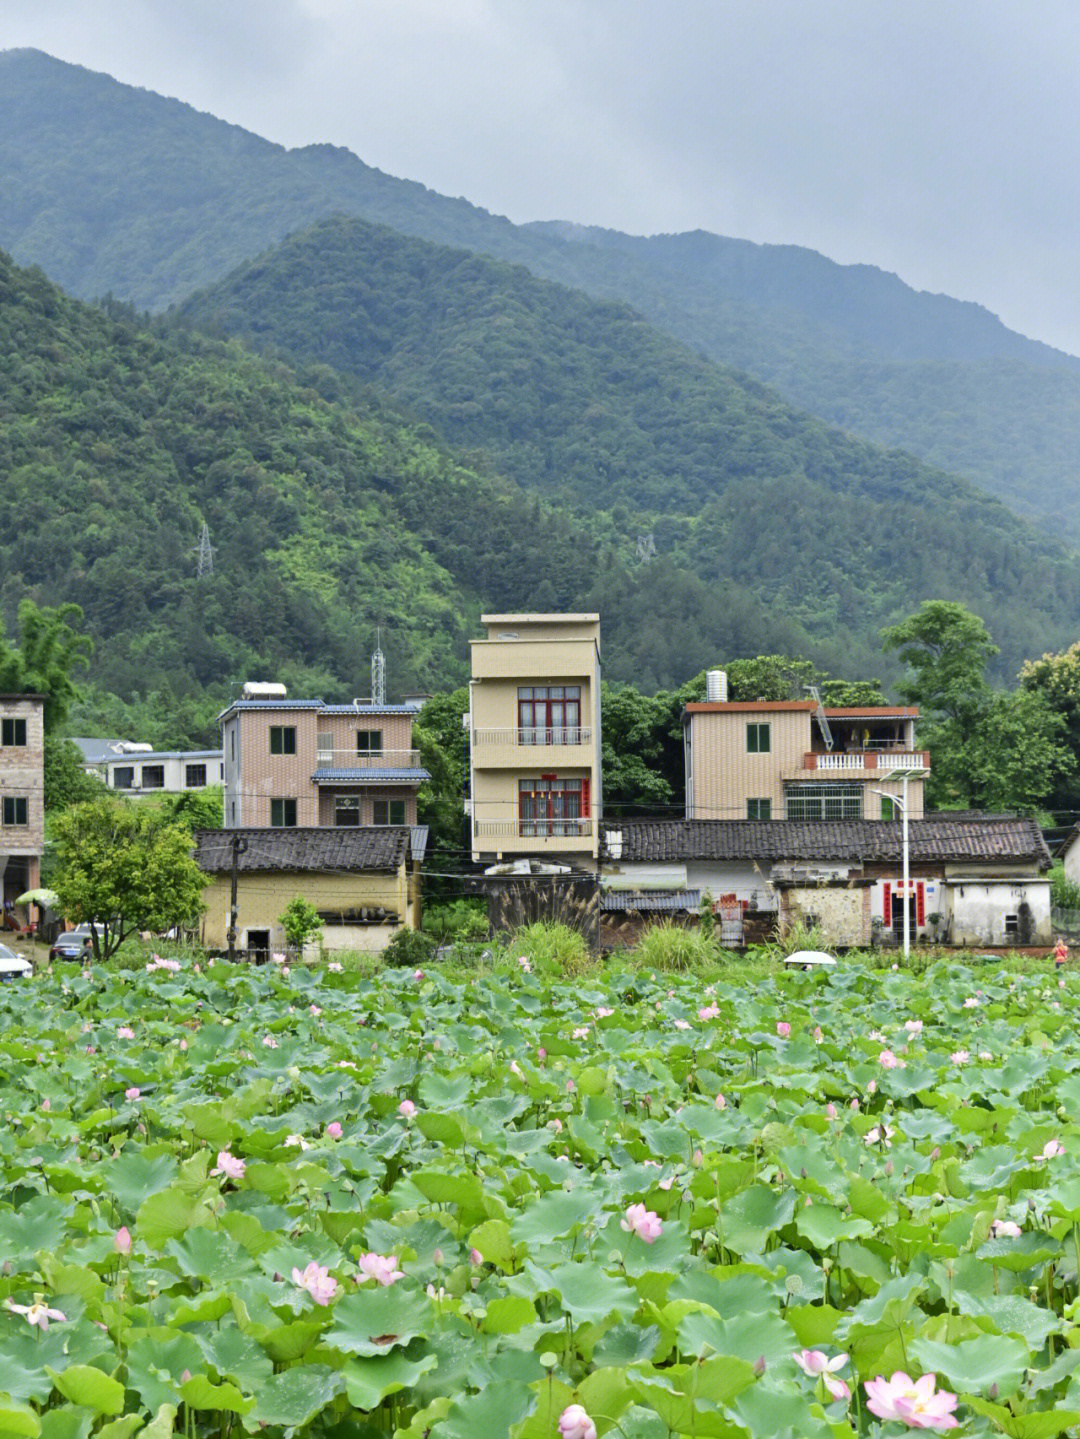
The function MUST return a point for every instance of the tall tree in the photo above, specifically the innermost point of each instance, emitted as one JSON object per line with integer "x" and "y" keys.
{"x": 50, "y": 648}
{"x": 947, "y": 649}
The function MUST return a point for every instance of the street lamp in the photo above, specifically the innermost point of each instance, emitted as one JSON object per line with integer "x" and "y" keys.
{"x": 916, "y": 772}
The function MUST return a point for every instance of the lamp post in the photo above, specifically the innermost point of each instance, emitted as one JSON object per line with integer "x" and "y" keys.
{"x": 902, "y": 800}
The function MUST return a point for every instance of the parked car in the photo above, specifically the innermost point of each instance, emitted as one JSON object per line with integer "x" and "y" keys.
{"x": 13, "y": 966}
{"x": 71, "y": 944}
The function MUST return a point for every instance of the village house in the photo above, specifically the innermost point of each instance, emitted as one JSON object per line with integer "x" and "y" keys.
{"x": 307, "y": 764}
{"x": 975, "y": 879}
{"x": 363, "y": 881}
{"x": 22, "y": 801}
{"x": 534, "y": 740}
{"x": 139, "y": 769}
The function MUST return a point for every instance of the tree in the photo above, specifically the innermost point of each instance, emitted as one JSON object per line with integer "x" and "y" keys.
{"x": 948, "y": 648}
{"x": 125, "y": 868}
{"x": 1056, "y": 678}
{"x": 196, "y": 808}
{"x": 439, "y": 734}
{"x": 850, "y": 694}
{"x": 300, "y": 921}
{"x": 1018, "y": 755}
{"x": 50, "y": 647}
{"x": 634, "y": 728}
{"x": 66, "y": 782}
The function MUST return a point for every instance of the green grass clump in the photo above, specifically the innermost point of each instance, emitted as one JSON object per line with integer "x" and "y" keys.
{"x": 551, "y": 949}
{"x": 675, "y": 949}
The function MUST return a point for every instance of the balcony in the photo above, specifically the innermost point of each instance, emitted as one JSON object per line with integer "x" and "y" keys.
{"x": 552, "y": 746}
{"x": 367, "y": 759}
{"x": 533, "y": 829}
{"x": 860, "y": 764}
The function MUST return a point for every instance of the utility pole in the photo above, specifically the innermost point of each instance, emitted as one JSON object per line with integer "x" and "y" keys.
{"x": 239, "y": 847}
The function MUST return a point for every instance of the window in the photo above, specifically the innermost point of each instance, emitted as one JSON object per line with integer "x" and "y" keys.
{"x": 347, "y": 810}
{"x": 282, "y": 739}
{"x": 153, "y": 776}
{"x": 13, "y": 732}
{"x": 16, "y": 809}
{"x": 283, "y": 813}
{"x": 549, "y": 714}
{"x": 759, "y": 738}
{"x": 232, "y": 746}
{"x": 123, "y": 776}
{"x": 889, "y": 808}
{"x": 195, "y": 775}
{"x": 369, "y": 741}
{"x": 823, "y": 801}
{"x": 550, "y": 805}
{"x": 759, "y": 809}
{"x": 389, "y": 811}
{"x": 324, "y": 745}
{"x": 1012, "y": 926}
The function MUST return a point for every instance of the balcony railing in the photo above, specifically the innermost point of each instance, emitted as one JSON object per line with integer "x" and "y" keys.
{"x": 534, "y": 735}
{"x": 533, "y": 828}
{"x": 868, "y": 759}
{"x": 367, "y": 759}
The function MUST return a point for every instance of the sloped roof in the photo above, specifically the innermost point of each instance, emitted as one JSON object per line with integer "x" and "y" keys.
{"x": 369, "y": 774}
{"x": 956, "y": 837}
{"x": 305, "y": 849}
{"x": 615, "y": 901}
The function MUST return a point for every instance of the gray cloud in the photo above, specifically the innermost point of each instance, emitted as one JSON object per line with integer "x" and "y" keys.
{"x": 936, "y": 140}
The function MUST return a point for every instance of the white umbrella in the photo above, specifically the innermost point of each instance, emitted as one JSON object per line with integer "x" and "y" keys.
{"x": 808, "y": 958}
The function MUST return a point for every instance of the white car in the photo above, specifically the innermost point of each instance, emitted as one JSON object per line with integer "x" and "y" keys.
{"x": 13, "y": 966}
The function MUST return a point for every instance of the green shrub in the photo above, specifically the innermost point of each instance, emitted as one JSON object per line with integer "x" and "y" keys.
{"x": 551, "y": 949}
{"x": 675, "y": 948}
{"x": 300, "y": 921}
{"x": 1064, "y": 893}
{"x": 408, "y": 949}
{"x": 464, "y": 921}
{"x": 800, "y": 936}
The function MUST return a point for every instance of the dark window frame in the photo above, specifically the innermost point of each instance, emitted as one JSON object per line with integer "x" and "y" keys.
{"x": 195, "y": 770}
{"x": 756, "y": 732}
{"x": 152, "y": 776}
{"x": 387, "y": 807}
{"x": 285, "y": 811}
{"x": 759, "y": 809}
{"x": 11, "y": 727}
{"x": 14, "y": 806}
{"x": 283, "y": 739}
{"x": 369, "y": 741}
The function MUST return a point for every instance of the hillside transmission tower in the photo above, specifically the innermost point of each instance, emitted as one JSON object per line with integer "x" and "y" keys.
{"x": 378, "y": 671}
{"x": 204, "y": 554}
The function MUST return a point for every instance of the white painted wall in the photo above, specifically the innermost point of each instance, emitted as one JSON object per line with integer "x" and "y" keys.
{"x": 979, "y": 909}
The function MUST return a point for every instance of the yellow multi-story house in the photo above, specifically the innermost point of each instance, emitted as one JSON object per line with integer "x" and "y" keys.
{"x": 534, "y": 739}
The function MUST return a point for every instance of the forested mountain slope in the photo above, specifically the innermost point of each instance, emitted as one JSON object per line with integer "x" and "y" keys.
{"x": 587, "y": 403}
{"x": 113, "y": 189}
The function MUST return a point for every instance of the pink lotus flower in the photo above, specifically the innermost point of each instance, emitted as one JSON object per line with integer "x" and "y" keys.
{"x": 817, "y": 1365}
{"x": 1005, "y": 1229}
{"x": 721, "y": 1102}
{"x": 269, "y": 1042}
{"x": 335, "y": 968}
{"x": 37, "y": 1314}
{"x": 888, "y": 1060}
{"x": 122, "y": 1240}
{"x": 913, "y": 1026}
{"x": 570, "y": 1086}
{"x": 783, "y": 1029}
{"x": 602, "y": 1013}
{"x": 380, "y": 1267}
{"x": 682, "y": 1024}
{"x": 819, "y": 1037}
{"x": 830, "y": 1110}
{"x": 475, "y": 1258}
{"x": 1051, "y": 1149}
{"x": 959, "y": 1058}
{"x": 418, "y": 975}
{"x": 315, "y": 1010}
{"x": 708, "y": 1011}
{"x": 871, "y": 1088}
{"x": 914, "y": 1402}
{"x": 407, "y": 1108}
{"x": 333, "y": 1130}
{"x": 229, "y": 1166}
{"x": 971, "y": 1002}
{"x": 46, "y": 1104}
{"x": 183, "y": 1044}
{"x": 125, "y": 1032}
{"x": 642, "y": 1222}
{"x": 854, "y": 1104}
{"x": 574, "y": 1423}
{"x": 582, "y": 1032}
{"x": 278, "y": 957}
{"x": 881, "y": 1134}
{"x": 524, "y": 965}
{"x": 318, "y": 1281}
{"x": 132, "y": 1093}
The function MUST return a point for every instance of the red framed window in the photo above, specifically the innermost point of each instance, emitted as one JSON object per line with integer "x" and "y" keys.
{"x": 549, "y": 714}
{"x": 550, "y": 805}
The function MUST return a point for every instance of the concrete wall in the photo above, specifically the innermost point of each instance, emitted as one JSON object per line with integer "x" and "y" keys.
{"x": 22, "y": 777}
{"x": 979, "y": 909}
{"x": 262, "y": 897}
{"x": 174, "y": 764}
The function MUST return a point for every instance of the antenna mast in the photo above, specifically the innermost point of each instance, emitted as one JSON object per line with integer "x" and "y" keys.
{"x": 378, "y": 671}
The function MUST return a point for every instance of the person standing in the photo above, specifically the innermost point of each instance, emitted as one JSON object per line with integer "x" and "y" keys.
{"x": 1061, "y": 953}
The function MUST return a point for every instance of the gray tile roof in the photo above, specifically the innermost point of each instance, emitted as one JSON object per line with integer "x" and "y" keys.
{"x": 295, "y": 850}
{"x": 665, "y": 900}
{"x": 418, "y": 839}
{"x": 953, "y": 837}
{"x": 370, "y": 774}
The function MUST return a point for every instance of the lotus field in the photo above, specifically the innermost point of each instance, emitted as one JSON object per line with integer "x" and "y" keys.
{"x": 244, "y": 1200}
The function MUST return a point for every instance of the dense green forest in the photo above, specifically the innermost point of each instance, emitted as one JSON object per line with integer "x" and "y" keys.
{"x": 585, "y": 402}
{"x": 118, "y": 190}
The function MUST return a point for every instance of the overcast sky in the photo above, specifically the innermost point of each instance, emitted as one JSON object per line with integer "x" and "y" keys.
{"x": 935, "y": 138}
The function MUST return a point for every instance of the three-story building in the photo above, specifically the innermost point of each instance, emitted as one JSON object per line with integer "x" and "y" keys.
{"x": 535, "y": 786}
{"x": 22, "y": 795}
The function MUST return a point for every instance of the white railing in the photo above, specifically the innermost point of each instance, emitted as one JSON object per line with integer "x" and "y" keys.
{"x": 533, "y": 828}
{"x": 912, "y": 759}
{"x": 840, "y": 761}
{"x": 532, "y": 735}
{"x": 367, "y": 759}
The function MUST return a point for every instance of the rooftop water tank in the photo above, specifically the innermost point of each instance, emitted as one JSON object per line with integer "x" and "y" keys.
{"x": 716, "y": 687}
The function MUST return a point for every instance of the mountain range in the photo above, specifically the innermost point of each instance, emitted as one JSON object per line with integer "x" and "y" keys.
{"x": 446, "y": 412}
{"x": 114, "y": 190}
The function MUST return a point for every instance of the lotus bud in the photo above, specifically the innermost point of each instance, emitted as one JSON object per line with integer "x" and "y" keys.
{"x": 759, "y": 1366}
{"x": 438, "y": 1257}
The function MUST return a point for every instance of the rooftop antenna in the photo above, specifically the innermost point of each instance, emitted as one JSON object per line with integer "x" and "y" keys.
{"x": 204, "y": 554}
{"x": 378, "y": 671}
